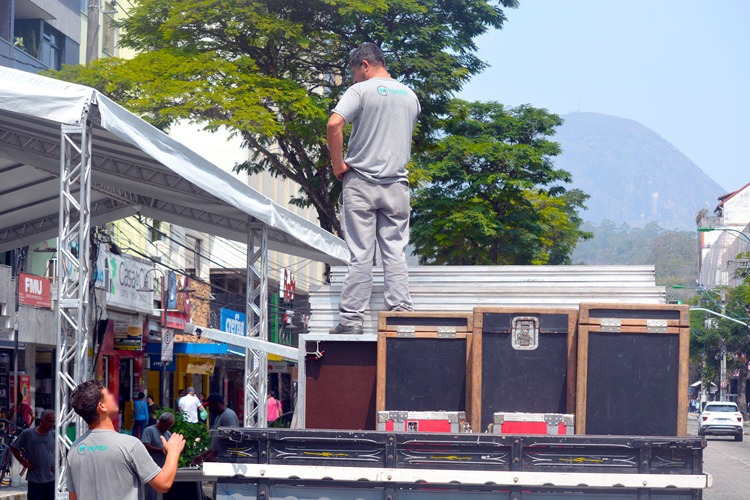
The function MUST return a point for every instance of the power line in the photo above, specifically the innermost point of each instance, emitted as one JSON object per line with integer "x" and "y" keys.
{"x": 233, "y": 272}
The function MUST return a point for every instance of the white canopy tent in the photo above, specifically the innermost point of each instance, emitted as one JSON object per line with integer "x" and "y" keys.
{"x": 71, "y": 158}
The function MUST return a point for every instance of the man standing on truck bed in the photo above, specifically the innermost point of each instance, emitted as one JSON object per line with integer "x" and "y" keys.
{"x": 375, "y": 193}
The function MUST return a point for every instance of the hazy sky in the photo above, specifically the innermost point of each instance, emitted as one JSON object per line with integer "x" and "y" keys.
{"x": 680, "y": 67}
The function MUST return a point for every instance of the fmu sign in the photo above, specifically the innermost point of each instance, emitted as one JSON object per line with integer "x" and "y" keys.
{"x": 34, "y": 291}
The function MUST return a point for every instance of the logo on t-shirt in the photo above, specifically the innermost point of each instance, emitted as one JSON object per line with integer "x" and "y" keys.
{"x": 382, "y": 90}
{"x": 82, "y": 448}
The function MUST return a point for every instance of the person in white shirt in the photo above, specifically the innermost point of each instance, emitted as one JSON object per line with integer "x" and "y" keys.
{"x": 190, "y": 405}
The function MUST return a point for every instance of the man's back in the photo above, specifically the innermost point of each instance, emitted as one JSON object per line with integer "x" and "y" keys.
{"x": 104, "y": 464}
{"x": 227, "y": 418}
{"x": 189, "y": 405}
{"x": 383, "y": 113}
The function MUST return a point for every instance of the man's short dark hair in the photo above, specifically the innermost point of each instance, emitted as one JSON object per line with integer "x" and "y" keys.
{"x": 216, "y": 398}
{"x": 369, "y": 52}
{"x": 85, "y": 400}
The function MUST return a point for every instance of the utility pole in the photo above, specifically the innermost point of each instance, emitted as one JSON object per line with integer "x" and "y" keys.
{"x": 92, "y": 31}
{"x": 723, "y": 373}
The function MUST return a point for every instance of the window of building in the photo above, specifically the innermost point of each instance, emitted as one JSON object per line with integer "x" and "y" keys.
{"x": 155, "y": 232}
{"x": 109, "y": 32}
{"x": 53, "y": 46}
{"x": 5, "y": 20}
{"x": 40, "y": 40}
{"x": 193, "y": 255}
{"x": 27, "y": 34}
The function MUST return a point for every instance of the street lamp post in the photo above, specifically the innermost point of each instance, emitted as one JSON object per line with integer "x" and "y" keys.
{"x": 708, "y": 229}
{"x": 163, "y": 319}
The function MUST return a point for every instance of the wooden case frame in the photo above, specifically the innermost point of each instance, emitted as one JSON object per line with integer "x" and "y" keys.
{"x": 584, "y": 332}
{"x": 474, "y": 391}
{"x": 388, "y": 328}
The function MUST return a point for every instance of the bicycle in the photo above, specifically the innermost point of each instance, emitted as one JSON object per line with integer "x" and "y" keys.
{"x": 7, "y": 435}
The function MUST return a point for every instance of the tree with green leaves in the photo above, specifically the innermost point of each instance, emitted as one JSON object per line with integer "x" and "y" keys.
{"x": 490, "y": 193}
{"x": 708, "y": 332}
{"x": 271, "y": 71}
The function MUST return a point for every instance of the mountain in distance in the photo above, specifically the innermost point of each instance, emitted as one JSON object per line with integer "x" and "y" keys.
{"x": 632, "y": 174}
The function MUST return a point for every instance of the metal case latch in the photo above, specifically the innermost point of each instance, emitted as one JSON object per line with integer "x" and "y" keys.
{"x": 656, "y": 326}
{"x": 406, "y": 331}
{"x": 525, "y": 333}
{"x": 446, "y": 332}
{"x": 611, "y": 325}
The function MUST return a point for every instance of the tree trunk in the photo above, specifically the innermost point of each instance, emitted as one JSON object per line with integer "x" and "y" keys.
{"x": 742, "y": 386}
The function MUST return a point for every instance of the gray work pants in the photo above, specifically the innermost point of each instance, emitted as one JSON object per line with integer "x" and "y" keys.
{"x": 374, "y": 212}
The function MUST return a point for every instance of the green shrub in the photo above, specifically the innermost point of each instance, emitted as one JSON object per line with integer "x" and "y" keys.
{"x": 197, "y": 438}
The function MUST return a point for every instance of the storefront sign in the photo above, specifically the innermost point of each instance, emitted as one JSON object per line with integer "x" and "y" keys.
{"x": 233, "y": 321}
{"x": 24, "y": 383}
{"x": 155, "y": 365}
{"x": 128, "y": 334}
{"x": 122, "y": 276}
{"x": 176, "y": 320}
{"x": 167, "y": 345}
{"x": 200, "y": 366}
{"x": 279, "y": 367}
{"x": 34, "y": 291}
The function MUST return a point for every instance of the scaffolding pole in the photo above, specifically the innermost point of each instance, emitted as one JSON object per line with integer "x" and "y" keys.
{"x": 256, "y": 362}
{"x": 74, "y": 274}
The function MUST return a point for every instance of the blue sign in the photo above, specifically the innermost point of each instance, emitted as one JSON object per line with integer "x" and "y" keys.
{"x": 171, "y": 290}
{"x": 155, "y": 364}
{"x": 232, "y": 321}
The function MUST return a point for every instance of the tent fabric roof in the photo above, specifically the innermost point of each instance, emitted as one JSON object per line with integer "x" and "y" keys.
{"x": 135, "y": 168}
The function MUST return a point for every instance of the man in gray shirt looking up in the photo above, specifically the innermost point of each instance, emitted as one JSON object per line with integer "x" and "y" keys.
{"x": 102, "y": 463}
{"x": 375, "y": 194}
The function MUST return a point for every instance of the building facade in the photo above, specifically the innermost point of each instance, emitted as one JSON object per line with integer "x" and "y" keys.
{"x": 719, "y": 249}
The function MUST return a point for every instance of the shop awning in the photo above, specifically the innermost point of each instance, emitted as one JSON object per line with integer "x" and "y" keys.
{"x": 190, "y": 348}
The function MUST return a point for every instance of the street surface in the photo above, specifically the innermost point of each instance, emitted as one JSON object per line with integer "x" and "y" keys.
{"x": 728, "y": 462}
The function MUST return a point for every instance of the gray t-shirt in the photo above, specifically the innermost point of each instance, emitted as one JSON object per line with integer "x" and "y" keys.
{"x": 40, "y": 451}
{"x": 226, "y": 419}
{"x": 152, "y": 435}
{"x": 106, "y": 464}
{"x": 383, "y": 113}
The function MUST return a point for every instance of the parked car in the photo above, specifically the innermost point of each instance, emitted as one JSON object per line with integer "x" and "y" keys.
{"x": 721, "y": 419}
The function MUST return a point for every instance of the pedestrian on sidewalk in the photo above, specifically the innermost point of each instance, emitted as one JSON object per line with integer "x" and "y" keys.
{"x": 152, "y": 440}
{"x": 223, "y": 417}
{"x": 190, "y": 405}
{"x": 375, "y": 193}
{"x": 273, "y": 407}
{"x": 140, "y": 415}
{"x": 34, "y": 448}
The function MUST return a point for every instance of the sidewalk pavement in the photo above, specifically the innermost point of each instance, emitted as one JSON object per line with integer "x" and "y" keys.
{"x": 14, "y": 492}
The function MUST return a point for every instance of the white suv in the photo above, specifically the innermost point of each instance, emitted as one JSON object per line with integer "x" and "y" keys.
{"x": 721, "y": 419}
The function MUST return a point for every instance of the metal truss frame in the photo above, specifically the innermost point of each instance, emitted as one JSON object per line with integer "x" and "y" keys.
{"x": 74, "y": 272}
{"x": 256, "y": 361}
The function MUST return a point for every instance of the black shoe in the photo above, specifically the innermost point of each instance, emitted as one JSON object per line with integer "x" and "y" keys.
{"x": 346, "y": 330}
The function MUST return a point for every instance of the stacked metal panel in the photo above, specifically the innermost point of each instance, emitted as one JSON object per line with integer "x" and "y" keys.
{"x": 462, "y": 288}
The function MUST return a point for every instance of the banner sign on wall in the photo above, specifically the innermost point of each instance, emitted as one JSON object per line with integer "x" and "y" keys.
{"x": 128, "y": 335}
{"x": 34, "y": 291}
{"x": 232, "y": 321}
{"x": 122, "y": 276}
